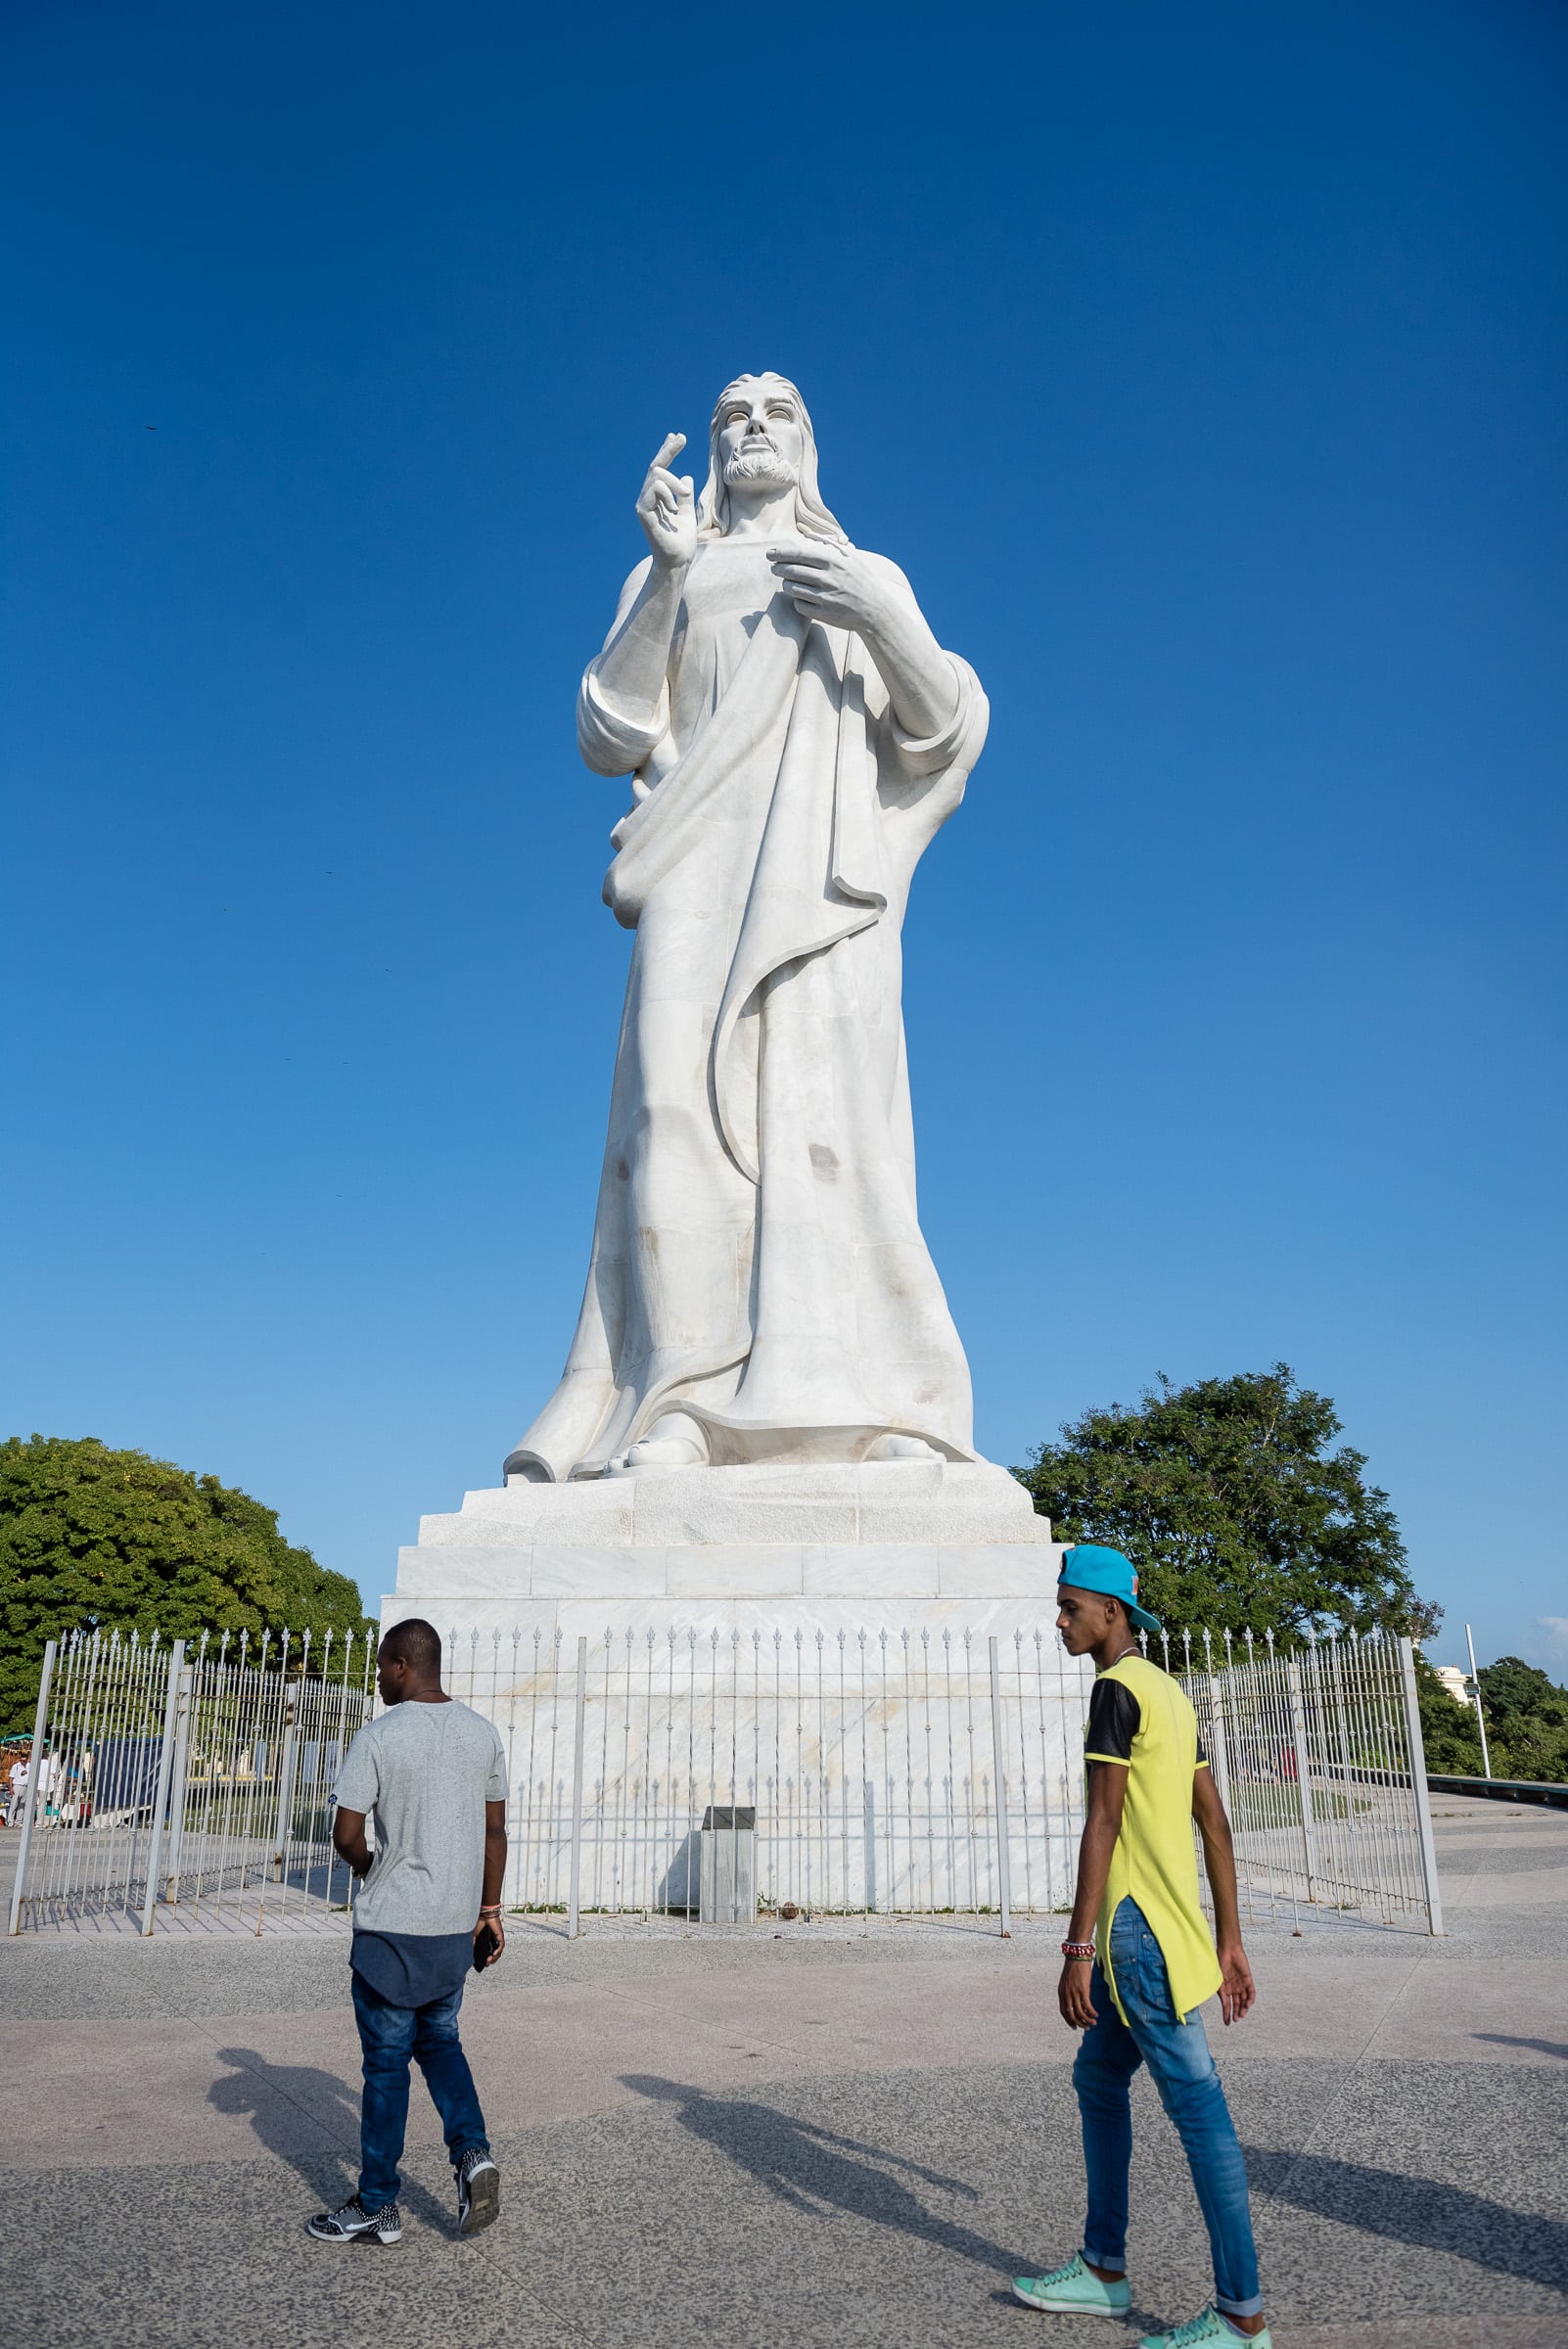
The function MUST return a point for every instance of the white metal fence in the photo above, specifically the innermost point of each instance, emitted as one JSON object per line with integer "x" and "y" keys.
{"x": 1318, "y": 1756}
{"x": 711, "y": 1777}
{"x": 930, "y": 1775}
{"x": 187, "y": 1786}
{"x": 927, "y": 1774}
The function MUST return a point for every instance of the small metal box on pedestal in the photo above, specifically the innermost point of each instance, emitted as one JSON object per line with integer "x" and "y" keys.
{"x": 727, "y": 1866}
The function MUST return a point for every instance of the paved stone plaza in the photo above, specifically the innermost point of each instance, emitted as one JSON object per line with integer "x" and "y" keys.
{"x": 817, "y": 2138}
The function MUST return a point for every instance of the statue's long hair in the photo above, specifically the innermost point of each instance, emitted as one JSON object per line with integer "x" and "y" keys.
{"x": 812, "y": 516}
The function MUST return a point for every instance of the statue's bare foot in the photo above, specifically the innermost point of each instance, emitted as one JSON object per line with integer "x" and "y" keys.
{"x": 902, "y": 1448}
{"x": 675, "y": 1440}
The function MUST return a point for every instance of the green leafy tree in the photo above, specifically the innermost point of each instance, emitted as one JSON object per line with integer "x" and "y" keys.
{"x": 1227, "y": 1499}
{"x": 1449, "y": 1733}
{"x": 1527, "y": 1725}
{"x": 1527, "y": 1721}
{"x": 90, "y": 1536}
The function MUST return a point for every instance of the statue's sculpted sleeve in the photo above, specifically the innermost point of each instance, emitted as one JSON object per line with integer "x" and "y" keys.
{"x": 953, "y": 746}
{"x": 611, "y": 743}
{"x": 962, "y": 738}
{"x": 614, "y": 741}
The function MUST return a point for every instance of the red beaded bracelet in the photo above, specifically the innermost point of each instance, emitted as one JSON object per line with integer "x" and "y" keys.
{"x": 1084, "y": 1951}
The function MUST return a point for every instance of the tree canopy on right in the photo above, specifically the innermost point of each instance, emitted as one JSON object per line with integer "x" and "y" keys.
{"x": 1232, "y": 1501}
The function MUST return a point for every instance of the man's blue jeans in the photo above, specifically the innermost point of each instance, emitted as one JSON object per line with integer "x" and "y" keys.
{"x": 390, "y": 2037}
{"x": 1183, "y": 2071}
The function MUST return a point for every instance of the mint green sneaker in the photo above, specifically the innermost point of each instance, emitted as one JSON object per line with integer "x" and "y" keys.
{"x": 1073, "y": 2291}
{"x": 1209, "y": 2331}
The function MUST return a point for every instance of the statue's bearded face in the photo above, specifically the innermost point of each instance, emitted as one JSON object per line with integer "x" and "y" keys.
{"x": 760, "y": 443}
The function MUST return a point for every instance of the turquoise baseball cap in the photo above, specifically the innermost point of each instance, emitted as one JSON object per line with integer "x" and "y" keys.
{"x": 1091, "y": 1566}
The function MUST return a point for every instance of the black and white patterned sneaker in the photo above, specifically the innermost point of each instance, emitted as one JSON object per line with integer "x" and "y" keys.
{"x": 478, "y": 2190}
{"x": 352, "y": 2223}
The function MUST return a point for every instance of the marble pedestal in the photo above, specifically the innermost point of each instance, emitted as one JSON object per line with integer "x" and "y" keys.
{"x": 879, "y": 1547}
{"x": 810, "y": 1644}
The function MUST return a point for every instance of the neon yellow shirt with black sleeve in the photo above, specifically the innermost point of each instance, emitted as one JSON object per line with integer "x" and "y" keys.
{"x": 1139, "y": 1721}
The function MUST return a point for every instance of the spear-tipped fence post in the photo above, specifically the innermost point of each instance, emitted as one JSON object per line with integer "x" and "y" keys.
{"x": 40, "y": 1723}
{"x": 1220, "y": 1759}
{"x": 165, "y": 1764}
{"x": 181, "y": 1771}
{"x": 1418, "y": 1787}
{"x": 577, "y": 1785}
{"x": 1303, "y": 1771}
{"x": 283, "y": 1834}
{"x": 1003, "y": 1876}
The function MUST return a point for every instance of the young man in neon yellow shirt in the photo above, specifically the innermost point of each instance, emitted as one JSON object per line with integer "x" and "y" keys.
{"x": 1135, "y": 1989}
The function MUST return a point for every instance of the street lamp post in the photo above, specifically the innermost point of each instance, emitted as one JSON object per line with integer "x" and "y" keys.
{"x": 1481, "y": 1718}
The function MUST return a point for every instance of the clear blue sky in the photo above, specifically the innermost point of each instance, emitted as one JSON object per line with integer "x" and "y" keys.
{"x": 1205, "y": 370}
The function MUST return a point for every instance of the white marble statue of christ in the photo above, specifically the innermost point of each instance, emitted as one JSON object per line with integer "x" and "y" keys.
{"x": 759, "y": 1288}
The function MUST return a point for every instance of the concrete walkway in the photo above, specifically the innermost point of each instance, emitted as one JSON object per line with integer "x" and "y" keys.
{"x": 815, "y": 2137}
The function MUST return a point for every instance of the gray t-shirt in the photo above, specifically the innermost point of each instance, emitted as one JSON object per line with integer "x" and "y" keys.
{"x": 424, "y": 1773}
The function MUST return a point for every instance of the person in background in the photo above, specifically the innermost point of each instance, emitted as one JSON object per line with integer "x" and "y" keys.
{"x": 1134, "y": 1990}
{"x": 430, "y": 1774}
{"x": 17, "y": 1781}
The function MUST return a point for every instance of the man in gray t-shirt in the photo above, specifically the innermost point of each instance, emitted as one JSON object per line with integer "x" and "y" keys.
{"x": 431, "y": 1776}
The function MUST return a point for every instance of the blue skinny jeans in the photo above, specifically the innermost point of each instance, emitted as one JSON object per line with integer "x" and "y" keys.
{"x": 1183, "y": 2071}
{"x": 390, "y": 2037}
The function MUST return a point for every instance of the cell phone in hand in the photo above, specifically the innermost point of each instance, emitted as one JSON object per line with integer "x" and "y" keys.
{"x": 486, "y": 1944}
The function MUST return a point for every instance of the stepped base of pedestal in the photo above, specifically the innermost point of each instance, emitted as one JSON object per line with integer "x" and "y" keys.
{"x": 874, "y": 1544}
{"x": 808, "y": 1644}
{"x": 925, "y": 1503}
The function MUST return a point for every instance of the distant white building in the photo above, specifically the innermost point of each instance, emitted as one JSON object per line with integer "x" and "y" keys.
{"x": 1455, "y": 1682}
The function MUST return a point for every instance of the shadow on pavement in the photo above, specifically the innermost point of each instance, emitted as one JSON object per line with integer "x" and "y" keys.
{"x": 1422, "y": 2213}
{"x": 276, "y": 2097}
{"x": 1542, "y": 2047}
{"x": 806, "y": 2166}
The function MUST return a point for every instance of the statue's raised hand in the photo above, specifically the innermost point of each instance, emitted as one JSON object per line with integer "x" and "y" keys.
{"x": 838, "y": 585}
{"x": 667, "y": 508}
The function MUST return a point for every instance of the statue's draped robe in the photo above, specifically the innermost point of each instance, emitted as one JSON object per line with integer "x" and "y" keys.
{"x": 757, "y": 1259}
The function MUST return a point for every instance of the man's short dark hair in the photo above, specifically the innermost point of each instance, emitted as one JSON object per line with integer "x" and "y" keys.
{"x": 416, "y": 1643}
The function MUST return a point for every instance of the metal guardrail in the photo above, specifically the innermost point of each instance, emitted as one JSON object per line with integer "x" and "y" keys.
{"x": 927, "y": 1774}
{"x": 1502, "y": 1790}
{"x": 1318, "y": 1756}
{"x": 189, "y": 1785}
{"x": 931, "y": 1774}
